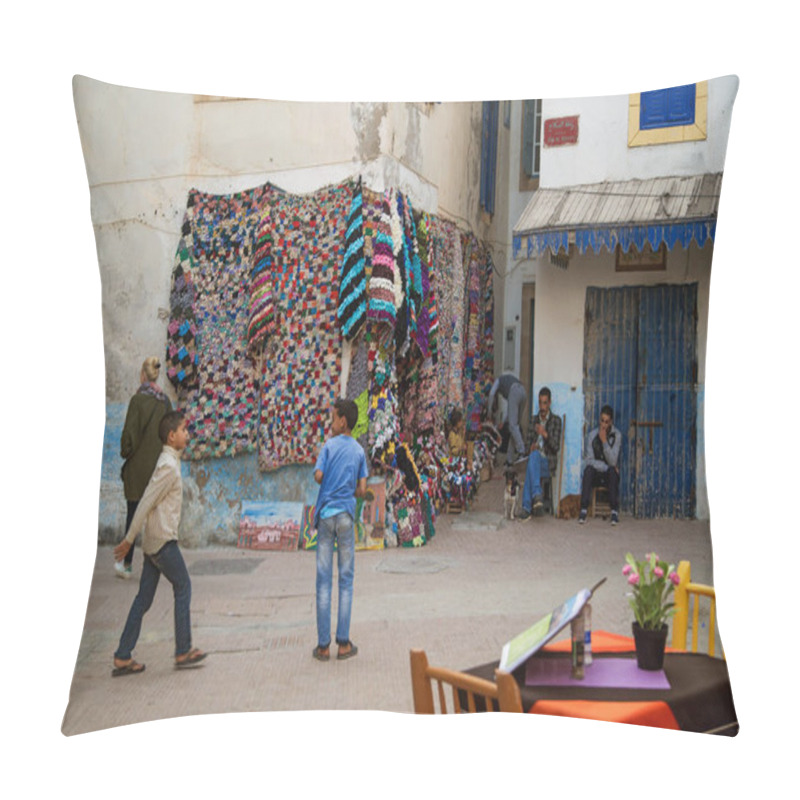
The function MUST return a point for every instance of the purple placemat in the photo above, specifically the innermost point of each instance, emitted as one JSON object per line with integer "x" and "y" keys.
{"x": 606, "y": 673}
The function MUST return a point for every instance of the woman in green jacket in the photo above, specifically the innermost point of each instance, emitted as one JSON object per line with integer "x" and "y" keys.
{"x": 140, "y": 445}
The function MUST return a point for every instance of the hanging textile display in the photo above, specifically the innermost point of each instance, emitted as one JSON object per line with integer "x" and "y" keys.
{"x": 472, "y": 268}
{"x": 413, "y": 274}
{"x": 182, "y": 327}
{"x": 262, "y": 322}
{"x": 358, "y": 392}
{"x": 429, "y": 316}
{"x": 409, "y": 500}
{"x": 266, "y": 289}
{"x": 351, "y": 312}
{"x": 487, "y": 334}
{"x": 379, "y": 256}
{"x": 430, "y": 456}
{"x": 384, "y": 430}
{"x": 302, "y": 361}
{"x": 400, "y": 273}
{"x": 446, "y": 241}
{"x": 478, "y": 371}
{"x": 427, "y": 399}
{"x": 221, "y": 407}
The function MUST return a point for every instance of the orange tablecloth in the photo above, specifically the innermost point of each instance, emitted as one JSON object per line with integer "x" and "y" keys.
{"x": 699, "y": 698}
{"x": 654, "y": 713}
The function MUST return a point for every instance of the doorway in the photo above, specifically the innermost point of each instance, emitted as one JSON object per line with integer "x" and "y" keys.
{"x": 640, "y": 357}
{"x": 526, "y": 347}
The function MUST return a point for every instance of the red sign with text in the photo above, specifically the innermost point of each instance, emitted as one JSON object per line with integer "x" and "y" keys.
{"x": 560, "y": 130}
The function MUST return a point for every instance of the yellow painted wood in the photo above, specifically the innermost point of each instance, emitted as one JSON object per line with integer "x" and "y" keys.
{"x": 687, "y": 598}
{"x": 697, "y": 131}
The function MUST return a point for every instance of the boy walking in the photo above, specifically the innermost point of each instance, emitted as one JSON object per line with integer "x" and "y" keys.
{"x": 341, "y": 471}
{"x": 159, "y": 511}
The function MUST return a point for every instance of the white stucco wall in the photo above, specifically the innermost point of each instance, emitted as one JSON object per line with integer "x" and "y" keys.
{"x": 144, "y": 150}
{"x": 602, "y": 151}
{"x": 559, "y": 335}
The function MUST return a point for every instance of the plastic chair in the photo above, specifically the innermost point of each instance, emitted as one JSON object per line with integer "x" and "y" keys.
{"x": 465, "y": 688}
{"x": 688, "y": 594}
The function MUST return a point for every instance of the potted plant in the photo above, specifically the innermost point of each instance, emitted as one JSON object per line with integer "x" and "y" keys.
{"x": 652, "y": 582}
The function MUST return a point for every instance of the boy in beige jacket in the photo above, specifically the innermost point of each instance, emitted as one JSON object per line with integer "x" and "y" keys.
{"x": 159, "y": 511}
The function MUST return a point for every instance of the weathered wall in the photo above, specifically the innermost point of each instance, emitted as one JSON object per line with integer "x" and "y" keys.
{"x": 602, "y": 153}
{"x": 559, "y": 331}
{"x": 145, "y": 150}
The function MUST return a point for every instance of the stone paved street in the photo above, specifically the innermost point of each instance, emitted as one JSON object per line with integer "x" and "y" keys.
{"x": 477, "y": 583}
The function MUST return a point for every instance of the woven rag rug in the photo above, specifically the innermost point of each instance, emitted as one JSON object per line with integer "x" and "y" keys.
{"x": 216, "y": 382}
{"x": 304, "y": 238}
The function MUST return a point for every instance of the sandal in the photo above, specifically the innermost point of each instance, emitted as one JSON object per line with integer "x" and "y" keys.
{"x": 321, "y": 653}
{"x": 131, "y": 668}
{"x": 349, "y": 654}
{"x": 192, "y": 659}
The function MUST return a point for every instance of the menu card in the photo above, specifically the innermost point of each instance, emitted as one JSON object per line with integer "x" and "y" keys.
{"x": 525, "y": 644}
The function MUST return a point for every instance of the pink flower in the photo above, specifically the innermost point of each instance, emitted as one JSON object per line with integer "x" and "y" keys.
{"x": 633, "y": 579}
{"x": 658, "y": 572}
{"x": 627, "y": 569}
{"x": 673, "y": 576}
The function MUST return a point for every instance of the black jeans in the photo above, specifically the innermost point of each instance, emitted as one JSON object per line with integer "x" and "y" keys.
{"x": 609, "y": 479}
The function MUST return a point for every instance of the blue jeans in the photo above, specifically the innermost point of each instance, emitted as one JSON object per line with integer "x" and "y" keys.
{"x": 169, "y": 561}
{"x": 340, "y": 529}
{"x": 537, "y": 469}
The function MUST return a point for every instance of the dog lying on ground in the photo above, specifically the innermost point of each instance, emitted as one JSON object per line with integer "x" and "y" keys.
{"x": 511, "y": 494}
{"x": 569, "y": 506}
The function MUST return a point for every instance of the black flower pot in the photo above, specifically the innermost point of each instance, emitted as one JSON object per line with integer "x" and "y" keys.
{"x": 650, "y": 646}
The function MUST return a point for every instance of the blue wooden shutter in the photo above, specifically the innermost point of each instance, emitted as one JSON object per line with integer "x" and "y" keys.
{"x": 667, "y": 107}
{"x": 491, "y": 115}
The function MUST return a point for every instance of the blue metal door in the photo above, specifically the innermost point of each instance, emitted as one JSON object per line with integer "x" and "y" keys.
{"x": 640, "y": 357}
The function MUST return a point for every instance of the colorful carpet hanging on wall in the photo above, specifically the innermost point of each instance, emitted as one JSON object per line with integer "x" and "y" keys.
{"x": 220, "y": 396}
{"x": 267, "y": 287}
{"x": 302, "y": 360}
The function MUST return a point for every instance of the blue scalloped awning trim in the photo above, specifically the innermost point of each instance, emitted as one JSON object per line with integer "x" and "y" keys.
{"x": 531, "y": 245}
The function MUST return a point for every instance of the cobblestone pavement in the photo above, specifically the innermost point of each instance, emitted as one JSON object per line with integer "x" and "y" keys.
{"x": 477, "y": 583}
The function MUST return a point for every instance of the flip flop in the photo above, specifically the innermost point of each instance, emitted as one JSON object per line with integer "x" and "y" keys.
{"x": 349, "y": 654}
{"x": 131, "y": 668}
{"x": 321, "y": 653}
{"x": 192, "y": 660}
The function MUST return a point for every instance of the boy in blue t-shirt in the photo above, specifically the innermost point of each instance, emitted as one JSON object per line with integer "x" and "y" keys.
{"x": 341, "y": 472}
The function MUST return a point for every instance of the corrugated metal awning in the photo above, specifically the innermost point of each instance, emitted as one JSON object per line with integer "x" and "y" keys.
{"x": 673, "y": 210}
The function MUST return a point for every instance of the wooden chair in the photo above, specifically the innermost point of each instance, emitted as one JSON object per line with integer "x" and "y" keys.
{"x": 688, "y": 594}
{"x": 599, "y": 505}
{"x": 465, "y": 689}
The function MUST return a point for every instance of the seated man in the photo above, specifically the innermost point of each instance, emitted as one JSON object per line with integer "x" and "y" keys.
{"x": 543, "y": 455}
{"x": 457, "y": 435}
{"x": 600, "y": 464}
